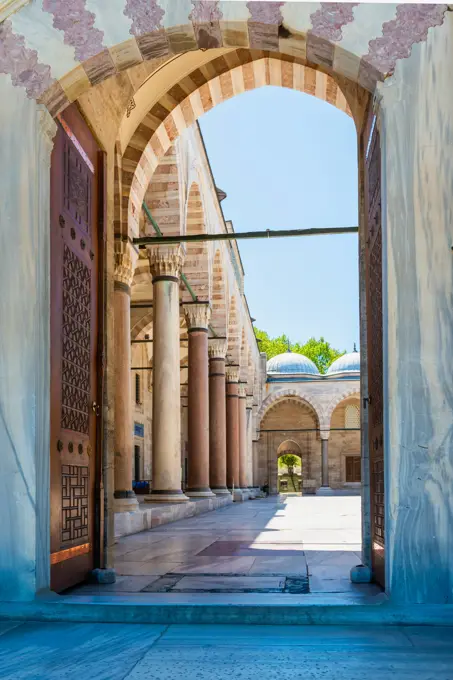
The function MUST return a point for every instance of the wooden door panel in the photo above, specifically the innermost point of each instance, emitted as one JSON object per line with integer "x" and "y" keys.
{"x": 373, "y": 257}
{"x": 74, "y": 327}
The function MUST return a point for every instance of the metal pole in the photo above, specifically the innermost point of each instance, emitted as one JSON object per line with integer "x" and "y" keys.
{"x": 237, "y": 236}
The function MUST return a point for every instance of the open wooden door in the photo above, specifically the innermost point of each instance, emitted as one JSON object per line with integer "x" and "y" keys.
{"x": 373, "y": 264}
{"x": 75, "y": 211}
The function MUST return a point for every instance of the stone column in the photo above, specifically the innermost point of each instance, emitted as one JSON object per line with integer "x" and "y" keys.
{"x": 242, "y": 436}
{"x": 125, "y": 260}
{"x": 165, "y": 265}
{"x": 217, "y": 417}
{"x": 197, "y": 319}
{"x": 232, "y": 426}
{"x": 250, "y": 440}
{"x": 325, "y": 488}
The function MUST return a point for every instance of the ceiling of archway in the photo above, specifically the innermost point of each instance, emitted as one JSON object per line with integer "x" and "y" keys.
{"x": 58, "y": 49}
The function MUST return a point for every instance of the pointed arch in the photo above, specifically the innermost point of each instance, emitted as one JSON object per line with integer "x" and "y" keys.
{"x": 196, "y": 262}
{"x": 162, "y": 197}
{"x": 234, "y": 334}
{"x": 296, "y": 394}
{"x": 219, "y": 296}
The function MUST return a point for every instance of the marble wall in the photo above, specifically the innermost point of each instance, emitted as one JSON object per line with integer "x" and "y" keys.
{"x": 26, "y": 133}
{"x": 417, "y": 139}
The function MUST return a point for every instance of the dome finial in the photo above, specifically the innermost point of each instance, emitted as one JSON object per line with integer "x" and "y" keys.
{"x": 355, "y": 348}
{"x": 289, "y": 346}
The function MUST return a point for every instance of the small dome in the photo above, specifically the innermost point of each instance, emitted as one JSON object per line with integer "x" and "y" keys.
{"x": 347, "y": 364}
{"x": 291, "y": 363}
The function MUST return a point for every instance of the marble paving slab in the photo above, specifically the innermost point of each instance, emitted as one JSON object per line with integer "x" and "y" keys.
{"x": 239, "y": 566}
{"x": 241, "y": 549}
{"x": 230, "y": 584}
{"x": 151, "y": 568}
{"x": 276, "y": 566}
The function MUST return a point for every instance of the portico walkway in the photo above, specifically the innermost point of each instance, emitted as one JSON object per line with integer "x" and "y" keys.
{"x": 282, "y": 545}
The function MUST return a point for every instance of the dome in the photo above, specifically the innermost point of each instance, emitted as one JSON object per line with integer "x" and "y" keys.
{"x": 291, "y": 363}
{"x": 348, "y": 363}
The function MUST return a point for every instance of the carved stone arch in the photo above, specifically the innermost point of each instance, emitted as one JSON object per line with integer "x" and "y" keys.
{"x": 158, "y": 131}
{"x": 234, "y": 333}
{"x": 141, "y": 324}
{"x": 244, "y": 358}
{"x": 284, "y": 394}
{"x": 289, "y": 446}
{"x": 219, "y": 296}
{"x": 196, "y": 263}
{"x": 353, "y": 391}
{"x": 163, "y": 197}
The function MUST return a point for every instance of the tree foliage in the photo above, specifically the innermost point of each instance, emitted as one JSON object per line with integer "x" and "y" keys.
{"x": 288, "y": 460}
{"x": 319, "y": 350}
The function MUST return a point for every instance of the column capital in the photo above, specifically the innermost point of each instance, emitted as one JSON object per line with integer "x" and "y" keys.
{"x": 250, "y": 401}
{"x": 217, "y": 348}
{"x": 125, "y": 260}
{"x": 324, "y": 434}
{"x": 242, "y": 390}
{"x": 166, "y": 261}
{"x": 197, "y": 315}
{"x": 232, "y": 374}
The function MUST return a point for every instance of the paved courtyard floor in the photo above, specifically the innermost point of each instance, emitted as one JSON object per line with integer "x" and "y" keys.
{"x": 109, "y": 651}
{"x": 287, "y": 544}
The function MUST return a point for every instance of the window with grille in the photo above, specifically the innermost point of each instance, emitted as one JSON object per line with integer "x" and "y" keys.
{"x": 138, "y": 386}
{"x": 353, "y": 469}
{"x": 352, "y": 417}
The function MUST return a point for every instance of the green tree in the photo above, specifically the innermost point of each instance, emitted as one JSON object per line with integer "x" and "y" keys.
{"x": 289, "y": 461}
{"x": 319, "y": 351}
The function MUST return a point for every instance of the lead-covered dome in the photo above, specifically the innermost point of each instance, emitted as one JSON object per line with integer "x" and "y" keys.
{"x": 348, "y": 364}
{"x": 291, "y": 363}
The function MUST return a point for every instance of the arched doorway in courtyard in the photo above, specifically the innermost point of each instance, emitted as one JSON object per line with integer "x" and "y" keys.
{"x": 289, "y": 467}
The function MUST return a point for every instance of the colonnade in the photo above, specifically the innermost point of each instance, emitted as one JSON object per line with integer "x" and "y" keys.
{"x": 217, "y": 401}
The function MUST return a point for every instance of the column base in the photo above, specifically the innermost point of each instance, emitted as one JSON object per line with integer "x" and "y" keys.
{"x": 199, "y": 493}
{"x": 221, "y": 491}
{"x": 325, "y": 491}
{"x": 103, "y": 576}
{"x": 125, "y": 501}
{"x": 166, "y": 497}
{"x": 361, "y": 574}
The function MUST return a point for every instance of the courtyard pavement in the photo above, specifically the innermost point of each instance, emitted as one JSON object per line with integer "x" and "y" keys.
{"x": 287, "y": 544}
{"x": 109, "y": 651}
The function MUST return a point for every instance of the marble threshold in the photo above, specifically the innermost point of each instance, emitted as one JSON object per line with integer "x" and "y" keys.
{"x": 228, "y": 608}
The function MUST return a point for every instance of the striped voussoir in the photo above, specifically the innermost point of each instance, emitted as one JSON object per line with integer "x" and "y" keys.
{"x": 198, "y": 93}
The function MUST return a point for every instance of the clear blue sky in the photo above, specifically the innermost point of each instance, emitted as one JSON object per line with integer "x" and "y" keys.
{"x": 289, "y": 161}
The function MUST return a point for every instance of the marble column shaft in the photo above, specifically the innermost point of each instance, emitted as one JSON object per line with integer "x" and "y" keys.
{"x": 324, "y": 461}
{"x": 125, "y": 259}
{"x": 165, "y": 265}
{"x": 242, "y": 406}
{"x": 232, "y": 424}
{"x": 197, "y": 319}
{"x": 217, "y": 416}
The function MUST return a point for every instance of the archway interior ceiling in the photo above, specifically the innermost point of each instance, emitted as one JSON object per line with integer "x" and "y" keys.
{"x": 57, "y": 49}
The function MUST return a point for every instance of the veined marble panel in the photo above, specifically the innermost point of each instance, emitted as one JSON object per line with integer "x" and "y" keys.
{"x": 25, "y": 140}
{"x": 417, "y": 139}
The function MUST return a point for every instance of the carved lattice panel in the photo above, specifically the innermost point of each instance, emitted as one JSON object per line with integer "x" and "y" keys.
{"x": 76, "y": 339}
{"x": 77, "y": 186}
{"x": 74, "y": 497}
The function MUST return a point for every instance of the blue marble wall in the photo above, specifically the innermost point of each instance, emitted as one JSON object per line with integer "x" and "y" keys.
{"x": 417, "y": 137}
{"x": 24, "y": 344}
